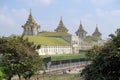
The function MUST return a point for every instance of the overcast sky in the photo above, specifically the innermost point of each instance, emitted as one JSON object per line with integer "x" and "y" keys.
{"x": 105, "y": 13}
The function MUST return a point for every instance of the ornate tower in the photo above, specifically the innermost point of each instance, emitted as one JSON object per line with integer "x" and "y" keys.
{"x": 30, "y": 27}
{"x": 61, "y": 27}
{"x": 81, "y": 33}
{"x": 97, "y": 34}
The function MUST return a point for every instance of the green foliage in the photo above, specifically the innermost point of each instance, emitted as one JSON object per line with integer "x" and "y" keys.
{"x": 19, "y": 57}
{"x": 92, "y": 53}
{"x": 106, "y": 65}
{"x": 2, "y": 75}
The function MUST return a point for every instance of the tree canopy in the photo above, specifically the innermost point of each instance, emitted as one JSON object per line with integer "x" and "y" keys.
{"x": 106, "y": 64}
{"x": 18, "y": 57}
{"x": 92, "y": 53}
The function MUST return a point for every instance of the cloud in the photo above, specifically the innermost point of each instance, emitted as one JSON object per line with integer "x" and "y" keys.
{"x": 46, "y": 2}
{"x": 3, "y": 10}
{"x": 5, "y": 17}
{"x": 109, "y": 19}
{"x": 12, "y": 19}
{"x": 101, "y": 2}
{"x": 19, "y": 15}
{"x": 20, "y": 12}
{"x": 6, "y": 20}
{"x": 107, "y": 13}
{"x": 115, "y": 12}
{"x": 38, "y": 2}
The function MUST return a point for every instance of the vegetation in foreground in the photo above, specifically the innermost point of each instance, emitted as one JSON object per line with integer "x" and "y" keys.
{"x": 92, "y": 53}
{"x": 105, "y": 66}
{"x": 18, "y": 57}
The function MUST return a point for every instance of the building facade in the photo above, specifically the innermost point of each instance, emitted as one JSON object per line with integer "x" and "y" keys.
{"x": 78, "y": 42}
{"x": 52, "y": 50}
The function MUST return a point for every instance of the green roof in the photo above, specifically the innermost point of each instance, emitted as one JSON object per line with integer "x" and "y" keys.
{"x": 47, "y": 40}
{"x": 58, "y": 57}
{"x": 53, "y": 34}
{"x": 90, "y": 39}
{"x": 67, "y": 56}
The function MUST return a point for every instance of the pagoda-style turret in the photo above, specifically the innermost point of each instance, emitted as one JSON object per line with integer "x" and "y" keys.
{"x": 30, "y": 27}
{"x": 81, "y": 33}
{"x": 61, "y": 27}
{"x": 97, "y": 34}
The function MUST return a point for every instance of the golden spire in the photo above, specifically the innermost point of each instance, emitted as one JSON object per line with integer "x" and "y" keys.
{"x": 61, "y": 27}
{"x": 80, "y": 22}
{"x": 81, "y": 30}
{"x": 30, "y": 13}
{"x": 30, "y": 10}
{"x": 30, "y": 18}
{"x": 97, "y": 28}
{"x": 81, "y": 27}
{"x": 60, "y": 17}
{"x": 96, "y": 25}
{"x": 30, "y": 21}
{"x": 97, "y": 32}
{"x": 61, "y": 22}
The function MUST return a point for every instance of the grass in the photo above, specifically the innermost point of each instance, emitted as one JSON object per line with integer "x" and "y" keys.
{"x": 62, "y": 77}
{"x": 57, "y": 77}
{"x": 67, "y": 56}
{"x": 47, "y": 40}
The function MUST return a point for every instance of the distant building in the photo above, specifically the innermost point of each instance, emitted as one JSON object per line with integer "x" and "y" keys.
{"x": 64, "y": 43}
{"x": 79, "y": 44}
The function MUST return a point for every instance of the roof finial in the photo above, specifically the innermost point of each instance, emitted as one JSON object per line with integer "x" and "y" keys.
{"x": 96, "y": 25}
{"x": 30, "y": 11}
{"x": 80, "y": 22}
{"x": 60, "y": 17}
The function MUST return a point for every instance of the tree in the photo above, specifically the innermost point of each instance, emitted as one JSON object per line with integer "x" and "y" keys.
{"x": 92, "y": 53}
{"x": 2, "y": 75}
{"x": 106, "y": 64}
{"x": 18, "y": 57}
{"x": 33, "y": 64}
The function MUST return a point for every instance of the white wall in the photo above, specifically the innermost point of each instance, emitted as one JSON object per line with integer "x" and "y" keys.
{"x": 51, "y": 50}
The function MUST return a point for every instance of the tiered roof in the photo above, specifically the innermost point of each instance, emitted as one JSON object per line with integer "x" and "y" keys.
{"x": 81, "y": 30}
{"x": 31, "y": 22}
{"x": 61, "y": 27}
{"x": 97, "y": 32}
